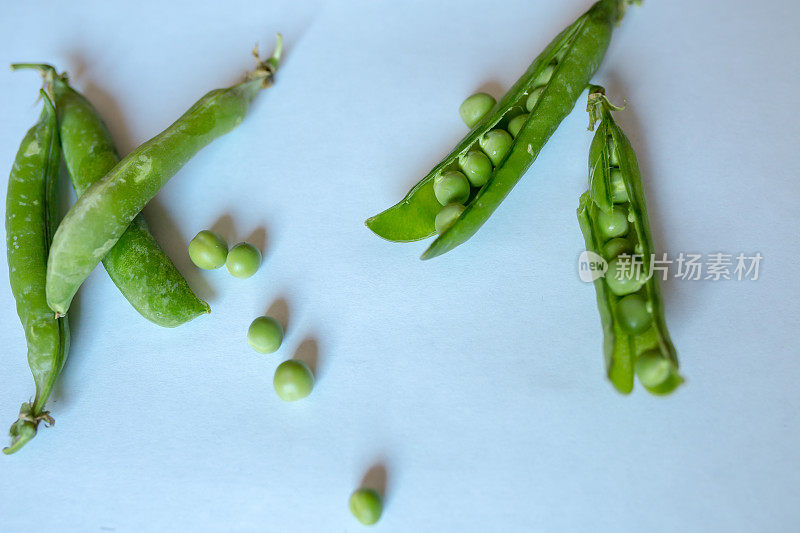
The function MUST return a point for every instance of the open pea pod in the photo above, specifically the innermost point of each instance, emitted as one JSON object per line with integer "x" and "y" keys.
{"x": 547, "y": 92}
{"x": 613, "y": 218}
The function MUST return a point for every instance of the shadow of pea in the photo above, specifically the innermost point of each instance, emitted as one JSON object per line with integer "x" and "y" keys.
{"x": 308, "y": 352}
{"x": 376, "y": 478}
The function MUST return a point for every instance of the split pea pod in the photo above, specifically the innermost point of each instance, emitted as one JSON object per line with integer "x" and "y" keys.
{"x": 31, "y": 220}
{"x": 613, "y": 218}
{"x": 544, "y": 96}
{"x": 136, "y": 264}
{"x": 102, "y": 214}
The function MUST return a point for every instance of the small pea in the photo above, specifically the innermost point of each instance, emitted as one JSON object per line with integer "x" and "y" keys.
{"x": 530, "y": 103}
{"x": 617, "y": 246}
{"x": 474, "y": 108}
{"x": 633, "y": 315}
{"x": 613, "y": 156}
{"x": 366, "y": 506}
{"x": 516, "y": 123}
{"x": 624, "y": 278}
{"x": 208, "y": 250}
{"x": 612, "y": 224}
{"x": 451, "y": 187}
{"x": 545, "y": 75}
{"x": 293, "y": 380}
{"x": 618, "y": 192}
{"x": 447, "y": 216}
{"x": 496, "y": 144}
{"x": 265, "y": 334}
{"x": 476, "y": 167}
{"x": 243, "y": 260}
{"x": 653, "y": 369}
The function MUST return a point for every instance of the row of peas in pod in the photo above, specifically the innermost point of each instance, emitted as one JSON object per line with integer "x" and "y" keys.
{"x": 454, "y": 187}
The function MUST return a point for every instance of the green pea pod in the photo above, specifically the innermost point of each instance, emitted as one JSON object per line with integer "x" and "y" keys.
{"x": 101, "y": 215}
{"x": 548, "y": 91}
{"x": 142, "y": 272}
{"x": 636, "y": 340}
{"x": 31, "y": 220}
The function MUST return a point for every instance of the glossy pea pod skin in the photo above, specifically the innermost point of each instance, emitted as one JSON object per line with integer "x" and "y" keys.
{"x": 139, "y": 268}
{"x": 31, "y": 220}
{"x": 101, "y": 215}
{"x": 567, "y": 64}
{"x": 611, "y": 153}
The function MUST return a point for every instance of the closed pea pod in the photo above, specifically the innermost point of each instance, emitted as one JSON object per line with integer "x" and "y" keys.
{"x": 31, "y": 219}
{"x": 100, "y": 216}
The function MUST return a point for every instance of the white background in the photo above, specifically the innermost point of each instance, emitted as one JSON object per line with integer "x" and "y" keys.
{"x": 474, "y": 381}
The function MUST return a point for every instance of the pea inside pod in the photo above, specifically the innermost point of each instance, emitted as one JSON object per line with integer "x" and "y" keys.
{"x": 474, "y": 108}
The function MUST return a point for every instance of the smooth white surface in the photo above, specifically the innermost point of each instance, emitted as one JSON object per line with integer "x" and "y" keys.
{"x": 476, "y": 379}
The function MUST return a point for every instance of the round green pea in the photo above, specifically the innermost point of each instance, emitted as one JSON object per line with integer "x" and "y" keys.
{"x": 617, "y": 246}
{"x": 633, "y": 315}
{"x": 366, "y": 506}
{"x": 545, "y": 75}
{"x": 451, "y": 187}
{"x": 447, "y": 216}
{"x": 474, "y": 108}
{"x": 496, "y": 144}
{"x": 243, "y": 260}
{"x": 530, "y": 103}
{"x": 293, "y": 380}
{"x": 614, "y": 224}
{"x": 653, "y": 369}
{"x": 265, "y": 334}
{"x": 476, "y": 167}
{"x": 208, "y": 250}
{"x": 618, "y": 192}
{"x": 622, "y": 278}
{"x": 516, "y": 123}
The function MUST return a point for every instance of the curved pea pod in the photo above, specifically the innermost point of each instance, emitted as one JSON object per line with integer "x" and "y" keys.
{"x": 637, "y": 333}
{"x": 31, "y": 220}
{"x": 102, "y": 214}
{"x": 547, "y": 91}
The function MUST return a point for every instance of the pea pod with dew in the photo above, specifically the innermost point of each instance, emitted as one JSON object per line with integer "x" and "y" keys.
{"x": 102, "y": 214}
{"x": 31, "y": 220}
{"x": 636, "y": 340}
{"x": 136, "y": 264}
{"x": 546, "y": 94}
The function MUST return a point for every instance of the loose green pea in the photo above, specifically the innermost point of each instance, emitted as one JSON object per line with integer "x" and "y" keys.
{"x": 265, "y": 334}
{"x": 243, "y": 260}
{"x": 476, "y": 167}
{"x": 545, "y": 75}
{"x": 208, "y": 250}
{"x": 451, "y": 187}
{"x": 617, "y": 246}
{"x": 447, "y": 216}
{"x": 633, "y": 315}
{"x": 619, "y": 194}
{"x": 624, "y": 279}
{"x": 530, "y": 103}
{"x": 516, "y": 123}
{"x": 496, "y": 144}
{"x": 293, "y": 380}
{"x": 474, "y": 108}
{"x": 653, "y": 369}
{"x": 612, "y": 224}
{"x": 366, "y": 506}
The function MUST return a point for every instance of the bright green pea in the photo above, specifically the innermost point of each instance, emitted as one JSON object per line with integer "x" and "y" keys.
{"x": 545, "y": 75}
{"x": 516, "y": 123}
{"x": 653, "y": 369}
{"x": 533, "y": 98}
{"x": 265, "y": 334}
{"x": 618, "y": 192}
{"x": 626, "y": 278}
{"x": 612, "y": 224}
{"x": 208, "y": 250}
{"x": 451, "y": 187}
{"x": 613, "y": 157}
{"x": 447, "y": 216}
{"x": 496, "y": 144}
{"x": 476, "y": 167}
{"x": 243, "y": 260}
{"x": 366, "y": 506}
{"x": 474, "y": 108}
{"x": 617, "y": 246}
{"x": 633, "y": 315}
{"x": 293, "y": 380}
